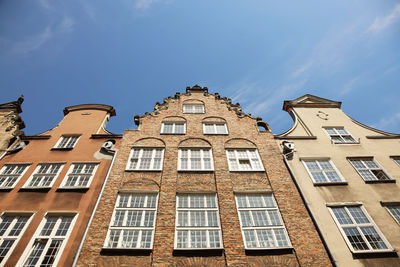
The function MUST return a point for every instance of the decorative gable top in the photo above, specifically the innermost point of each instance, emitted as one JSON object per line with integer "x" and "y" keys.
{"x": 310, "y": 101}
{"x": 15, "y": 105}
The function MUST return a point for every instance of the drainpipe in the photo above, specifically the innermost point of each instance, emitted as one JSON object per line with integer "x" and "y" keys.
{"x": 333, "y": 261}
{"x": 94, "y": 210}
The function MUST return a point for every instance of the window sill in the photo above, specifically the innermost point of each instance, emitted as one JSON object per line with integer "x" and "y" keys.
{"x": 72, "y": 189}
{"x": 226, "y": 134}
{"x": 126, "y": 251}
{"x": 172, "y": 133}
{"x": 269, "y": 251}
{"x": 198, "y": 251}
{"x": 374, "y": 254}
{"x": 330, "y": 184}
{"x": 61, "y": 148}
{"x": 35, "y": 189}
{"x": 139, "y": 170}
{"x": 380, "y": 181}
{"x": 202, "y": 171}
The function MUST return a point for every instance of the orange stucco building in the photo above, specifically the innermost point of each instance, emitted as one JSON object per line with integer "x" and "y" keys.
{"x": 49, "y": 186}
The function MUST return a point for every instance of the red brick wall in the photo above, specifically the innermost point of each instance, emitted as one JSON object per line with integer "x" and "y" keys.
{"x": 308, "y": 248}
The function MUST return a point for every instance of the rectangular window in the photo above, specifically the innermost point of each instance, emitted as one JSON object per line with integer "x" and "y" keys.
{"x": 67, "y": 142}
{"x": 79, "y": 175}
{"x": 339, "y": 135}
{"x": 261, "y": 222}
{"x": 395, "y": 212}
{"x": 195, "y": 159}
{"x": 358, "y": 229}
{"x": 197, "y": 222}
{"x": 244, "y": 160}
{"x": 44, "y": 175}
{"x": 133, "y": 221}
{"x": 146, "y": 159}
{"x": 369, "y": 170}
{"x": 173, "y": 128}
{"x": 215, "y": 128}
{"x": 46, "y": 246}
{"x": 322, "y": 171}
{"x": 397, "y": 160}
{"x": 10, "y": 174}
{"x": 12, "y": 226}
{"x": 193, "y": 108}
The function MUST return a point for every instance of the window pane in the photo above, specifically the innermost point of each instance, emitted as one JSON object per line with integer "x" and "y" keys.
{"x": 318, "y": 177}
{"x": 373, "y": 238}
{"x": 395, "y": 211}
{"x": 182, "y": 239}
{"x": 129, "y": 239}
{"x": 341, "y": 216}
{"x": 265, "y": 238}
{"x": 355, "y": 239}
{"x": 250, "y": 238}
{"x": 358, "y": 215}
{"x": 260, "y": 218}
{"x": 198, "y": 239}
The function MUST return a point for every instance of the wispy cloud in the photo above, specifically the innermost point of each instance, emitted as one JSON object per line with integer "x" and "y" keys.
{"x": 45, "y": 4}
{"x": 388, "y": 122}
{"x": 382, "y": 23}
{"x": 302, "y": 69}
{"x": 33, "y": 42}
{"x": 67, "y": 24}
{"x": 144, "y": 4}
{"x": 350, "y": 85}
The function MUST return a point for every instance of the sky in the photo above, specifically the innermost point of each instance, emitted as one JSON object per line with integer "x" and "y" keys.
{"x": 133, "y": 53}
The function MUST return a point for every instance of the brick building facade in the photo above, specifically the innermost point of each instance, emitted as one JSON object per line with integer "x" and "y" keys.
{"x": 49, "y": 188}
{"x": 200, "y": 183}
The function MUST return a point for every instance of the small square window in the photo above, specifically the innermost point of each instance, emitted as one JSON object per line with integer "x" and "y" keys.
{"x": 244, "y": 160}
{"x": 67, "y": 142}
{"x": 79, "y": 175}
{"x": 396, "y": 159}
{"x": 193, "y": 108}
{"x": 215, "y": 128}
{"x": 195, "y": 159}
{"x": 395, "y": 212}
{"x": 322, "y": 171}
{"x": 173, "y": 128}
{"x": 146, "y": 159}
{"x": 340, "y": 136}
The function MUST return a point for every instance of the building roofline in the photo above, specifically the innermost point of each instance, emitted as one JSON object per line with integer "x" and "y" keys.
{"x": 14, "y": 105}
{"x": 106, "y": 108}
{"x": 318, "y": 102}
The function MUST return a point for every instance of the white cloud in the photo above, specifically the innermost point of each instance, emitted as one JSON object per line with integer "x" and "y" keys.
{"x": 302, "y": 69}
{"x": 388, "y": 122}
{"x": 144, "y": 4}
{"x": 67, "y": 24}
{"x": 32, "y": 43}
{"x": 381, "y": 23}
{"x": 350, "y": 85}
{"x": 45, "y": 4}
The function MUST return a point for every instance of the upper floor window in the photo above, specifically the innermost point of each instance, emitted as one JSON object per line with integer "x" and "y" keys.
{"x": 395, "y": 211}
{"x": 79, "y": 175}
{"x": 244, "y": 160}
{"x": 10, "y": 174}
{"x": 145, "y": 159}
{"x": 322, "y": 171}
{"x": 133, "y": 221}
{"x": 339, "y": 135}
{"x": 46, "y": 246}
{"x": 261, "y": 222}
{"x": 195, "y": 159}
{"x": 67, "y": 142}
{"x": 197, "y": 222}
{"x": 397, "y": 160}
{"x": 173, "y": 127}
{"x": 369, "y": 170}
{"x": 214, "y": 128}
{"x": 44, "y": 175}
{"x": 193, "y": 108}
{"x": 12, "y": 226}
{"x": 358, "y": 229}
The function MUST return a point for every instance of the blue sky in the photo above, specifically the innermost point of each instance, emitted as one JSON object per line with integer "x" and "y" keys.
{"x": 132, "y": 53}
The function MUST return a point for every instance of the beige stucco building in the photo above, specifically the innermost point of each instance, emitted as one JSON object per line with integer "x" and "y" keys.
{"x": 348, "y": 174}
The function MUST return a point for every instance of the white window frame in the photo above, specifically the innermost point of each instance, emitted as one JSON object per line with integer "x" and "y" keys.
{"x": 197, "y": 228}
{"x": 29, "y": 248}
{"x": 243, "y": 228}
{"x": 214, "y": 124}
{"x": 12, "y": 174}
{"x": 369, "y": 169}
{"x": 80, "y": 175}
{"x": 396, "y": 159}
{"x": 358, "y": 226}
{"x": 202, "y": 168}
{"x": 193, "y": 108}
{"x": 35, "y": 173}
{"x": 16, "y": 238}
{"x": 67, "y": 136}
{"x": 140, "y": 228}
{"x": 342, "y": 138}
{"x": 248, "y": 158}
{"x": 174, "y": 123}
{"x": 327, "y": 180}
{"x": 141, "y": 149}
{"x": 396, "y": 216}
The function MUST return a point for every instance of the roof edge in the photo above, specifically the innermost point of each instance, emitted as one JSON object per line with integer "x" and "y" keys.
{"x": 287, "y": 104}
{"x": 106, "y": 108}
